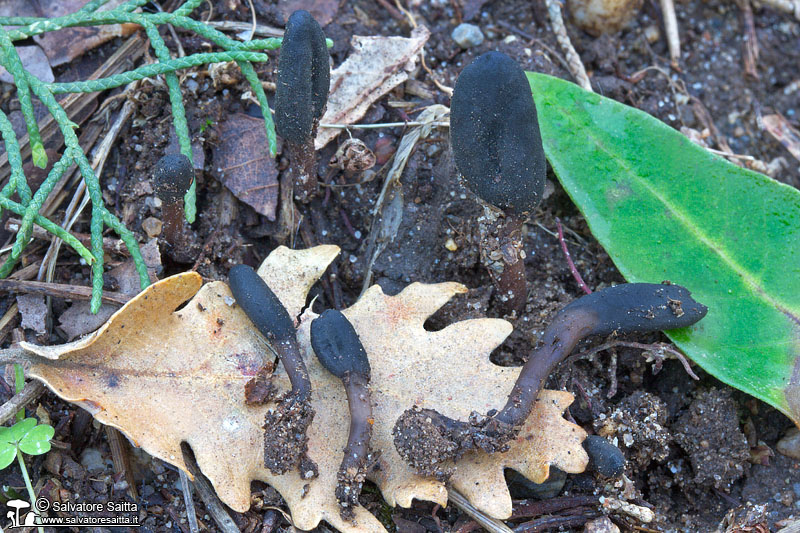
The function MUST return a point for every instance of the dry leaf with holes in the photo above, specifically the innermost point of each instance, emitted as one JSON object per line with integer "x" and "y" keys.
{"x": 376, "y": 66}
{"x": 163, "y": 376}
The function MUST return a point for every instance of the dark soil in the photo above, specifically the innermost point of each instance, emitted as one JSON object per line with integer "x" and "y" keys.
{"x": 695, "y": 450}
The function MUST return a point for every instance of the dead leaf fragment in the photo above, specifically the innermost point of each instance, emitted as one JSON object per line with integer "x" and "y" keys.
{"x": 62, "y": 46}
{"x": 376, "y": 66}
{"x": 323, "y": 11}
{"x": 163, "y": 376}
{"x": 35, "y": 61}
{"x": 784, "y": 133}
{"x": 244, "y": 165}
{"x": 34, "y": 312}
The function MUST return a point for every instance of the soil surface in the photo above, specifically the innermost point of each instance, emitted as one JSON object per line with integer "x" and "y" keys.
{"x": 695, "y": 451}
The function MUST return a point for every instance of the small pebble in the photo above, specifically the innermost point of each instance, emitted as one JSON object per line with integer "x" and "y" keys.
{"x": 604, "y": 458}
{"x": 467, "y": 35}
{"x": 92, "y": 459}
{"x": 523, "y": 488}
{"x": 601, "y": 525}
{"x": 451, "y": 245}
{"x": 789, "y": 445}
{"x": 152, "y": 226}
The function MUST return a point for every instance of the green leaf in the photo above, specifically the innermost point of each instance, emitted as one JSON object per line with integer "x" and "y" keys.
{"x": 37, "y": 440}
{"x": 20, "y": 429}
{"x": 667, "y": 209}
{"x": 8, "y": 449}
{"x": 39, "y": 155}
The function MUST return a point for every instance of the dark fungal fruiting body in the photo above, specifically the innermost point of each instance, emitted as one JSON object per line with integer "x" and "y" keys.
{"x": 340, "y": 351}
{"x": 498, "y": 150}
{"x": 285, "y": 427}
{"x": 171, "y": 180}
{"x": 301, "y": 96}
{"x": 627, "y": 308}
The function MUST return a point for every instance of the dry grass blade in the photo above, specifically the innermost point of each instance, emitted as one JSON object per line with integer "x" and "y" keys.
{"x": 490, "y": 524}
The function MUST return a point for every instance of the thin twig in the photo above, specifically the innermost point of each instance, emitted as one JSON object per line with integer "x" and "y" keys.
{"x": 384, "y": 125}
{"x": 191, "y": 515}
{"x": 206, "y": 492}
{"x": 750, "y": 39}
{"x": 120, "y": 456}
{"x": 260, "y": 29}
{"x": 572, "y": 268}
{"x": 32, "y": 390}
{"x": 574, "y": 62}
{"x": 652, "y": 348}
{"x": 490, "y": 524}
{"x": 671, "y": 29}
{"x": 60, "y": 290}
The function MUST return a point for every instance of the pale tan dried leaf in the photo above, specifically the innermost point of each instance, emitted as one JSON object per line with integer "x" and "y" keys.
{"x": 163, "y": 377}
{"x": 376, "y": 66}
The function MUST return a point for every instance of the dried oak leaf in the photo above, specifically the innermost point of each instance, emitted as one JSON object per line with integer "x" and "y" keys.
{"x": 163, "y": 376}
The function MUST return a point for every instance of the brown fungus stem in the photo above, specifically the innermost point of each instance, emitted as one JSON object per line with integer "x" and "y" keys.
{"x": 340, "y": 351}
{"x": 172, "y": 178}
{"x": 285, "y": 440}
{"x": 626, "y": 308}
{"x": 498, "y": 150}
{"x": 301, "y": 96}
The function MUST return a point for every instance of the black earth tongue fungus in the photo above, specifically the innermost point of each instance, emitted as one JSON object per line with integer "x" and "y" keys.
{"x": 172, "y": 178}
{"x": 301, "y": 94}
{"x": 498, "y": 150}
{"x": 340, "y": 351}
{"x": 285, "y": 427}
{"x": 427, "y": 439}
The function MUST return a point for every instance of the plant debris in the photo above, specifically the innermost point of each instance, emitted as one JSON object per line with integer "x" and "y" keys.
{"x": 143, "y": 347}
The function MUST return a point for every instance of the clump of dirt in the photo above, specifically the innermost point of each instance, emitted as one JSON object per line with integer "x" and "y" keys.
{"x": 638, "y": 425}
{"x": 709, "y": 433}
{"x": 286, "y": 439}
{"x": 426, "y": 439}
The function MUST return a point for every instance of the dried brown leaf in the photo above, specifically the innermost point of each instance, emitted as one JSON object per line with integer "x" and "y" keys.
{"x": 164, "y": 376}
{"x": 245, "y": 167}
{"x": 62, "y": 46}
{"x": 376, "y": 66}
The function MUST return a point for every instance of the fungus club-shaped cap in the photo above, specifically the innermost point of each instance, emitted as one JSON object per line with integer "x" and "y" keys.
{"x": 304, "y": 78}
{"x": 173, "y": 176}
{"x": 639, "y": 307}
{"x": 337, "y": 345}
{"x": 260, "y": 304}
{"x": 495, "y": 134}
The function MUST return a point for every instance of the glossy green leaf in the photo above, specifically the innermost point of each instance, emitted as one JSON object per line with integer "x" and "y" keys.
{"x": 667, "y": 209}
{"x": 37, "y": 440}
{"x": 20, "y": 429}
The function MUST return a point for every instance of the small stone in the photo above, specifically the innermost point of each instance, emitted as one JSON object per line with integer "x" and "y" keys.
{"x": 451, "y": 245}
{"x": 92, "y": 459}
{"x": 604, "y": 458}
{"x": 523, "y": 488}
{"x": 467, "y": 35}
{"x": 152, "y": 226}
{"x": 652, "y": 34}
{"x": 601, "y": 525}
{"x": 789, "y": 445}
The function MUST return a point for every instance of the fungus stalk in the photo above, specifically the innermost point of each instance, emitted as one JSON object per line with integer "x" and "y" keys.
{"x": 172, "y": 178}
{"x": 503, "y": 255}
{"x": 340, "y": 351}
{"x": 301, "y": 96}
{"x": 285, "y": 441}
{"x": 626, "y": 308}
{"x": 498, "y": 150}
